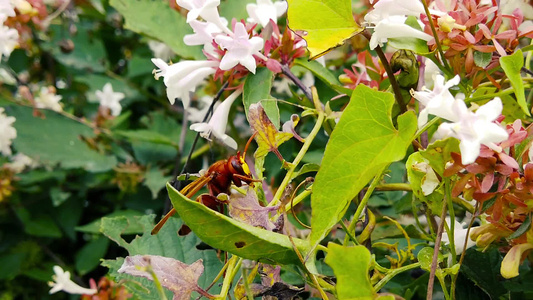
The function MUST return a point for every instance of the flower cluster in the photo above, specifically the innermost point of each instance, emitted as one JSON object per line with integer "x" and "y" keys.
{"x": 504, "y": 192}
{"x": 8, "y": 36}
{"x": 477, "y": 28}
{"x": 229, "y": 52}
{"x": 473, "y": 129}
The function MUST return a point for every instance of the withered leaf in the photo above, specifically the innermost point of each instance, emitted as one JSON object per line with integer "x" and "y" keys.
{"x": 247, "y": 210}
{"x": 178, "y": 277}
{"x": 268, "y": 137}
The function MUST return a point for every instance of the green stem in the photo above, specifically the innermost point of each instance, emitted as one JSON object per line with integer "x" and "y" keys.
{"x": 393, "y": 273}
{"x": 228, "y": 279}
{"x": 443, "y": 286}
{"x": 451, "y": 233}
{"x": 157, "y": 283}
{"x": 505, "y": 92}
{"x": 348, "y": 233}
{"x": 298, "y": 199}
{"x": 435, "y": 36}
{"x": 394, "y": 187}
{"x": 363, "y": 202}
{"x": 308, "y": 140}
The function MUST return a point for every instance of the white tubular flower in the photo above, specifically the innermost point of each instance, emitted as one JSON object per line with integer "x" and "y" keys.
{"x": 183, "y": 77}
{"x": 48, "y": 99}
{"x": 218, "y": 122}
{"x": 20, "y": 161}
{"x": 8, "y": 40}
{"x": 394, "y": 27}
{"x": 7, "y": 9}
{"x": 7, "y": 132}
{"x": 63, "y": 283}
{"x": 437, "y": 102}
{"x": 161, "y": 50}
{"x": 206, "y": 9}
{"x": 265, "y": 10}
{"x": 109, "y": 99}
{"x": 203, "y": 32}
{"x": 459, "y": 237}
{"x": 240, "y": 49}
{"x": 386, "y": 8}
{"x": 474, "y": 129}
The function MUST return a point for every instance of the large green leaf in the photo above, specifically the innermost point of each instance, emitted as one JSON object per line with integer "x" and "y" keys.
{"x": 159, "y": 21}
{"x": 54, "y": 139}
{"x": 328, "y": 23}
{"x": 257, "y": 89}
{"x": 222, "y": 232}
{"x": 351, "y": 265}
{"x": 363, "y": 142}
{"x": 166, "y": 243}
{"x": 512, "y": 65}
{"x": 88, "y": 54}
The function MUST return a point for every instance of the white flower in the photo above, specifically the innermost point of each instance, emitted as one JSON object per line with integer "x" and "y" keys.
{"x": 437, "y": 102}
{"x": 63, "y": 283}
{"x": 161, "y": 50}
{"x": 474, "y": 129}
{"x": 394, "y": 27}
{"x": 240, "y": 49}
{"x": 48, "y": 99}
{"x": 109, "y": 99}
{"x": 217, "y": 123}
{"x": 203, "y": 33}
{"x": 20, "y": 161}
{"x": 183, "y": 77}
{"x": 386, "y": 8}
{"x": 207, "y": 9}
{"x": 265, "y": 10}
{"x": 196, "y": 115}
{"x": 430, "y": 181}
{"x": 459, "y": 237}
{"x": 7, "y": 132}
{"x": 6, "y": 10}
{"x": 8, "y": 40}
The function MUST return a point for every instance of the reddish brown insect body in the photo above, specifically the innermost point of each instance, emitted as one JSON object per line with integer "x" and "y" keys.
{"x": 218, "y": 178}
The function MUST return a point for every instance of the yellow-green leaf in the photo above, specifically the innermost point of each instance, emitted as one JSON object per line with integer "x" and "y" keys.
{"x": 363, "y": 142}
{"x": 351, "y": 265}
{"x": 328, "y": 23}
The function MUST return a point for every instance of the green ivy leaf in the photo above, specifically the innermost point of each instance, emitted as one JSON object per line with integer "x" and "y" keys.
{"x": 224, "y": 233}
{"x": 351, "y": 265}
{"x": 55, "y": 139}
{"x": 159, "y": 21}
{"x": 511, "y": 65}
{"x": 363, "y": 142}
{"x": 257, "y": 89}
{"x": 328, "y": 23}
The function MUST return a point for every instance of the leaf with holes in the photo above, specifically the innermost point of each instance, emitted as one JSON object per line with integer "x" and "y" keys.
{"x": 224, "y": 233}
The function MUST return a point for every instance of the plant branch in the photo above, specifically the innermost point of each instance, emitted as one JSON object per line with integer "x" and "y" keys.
{"x": 392, "y": 79}
{"x": 435, "y": 36}
{"x": 393, "y": 273}
{"x": 363, "y": 202}
{"x": 435, "y": 258}
{"x": 286, "y": 70}
{"x": 308, "y": 140}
